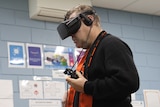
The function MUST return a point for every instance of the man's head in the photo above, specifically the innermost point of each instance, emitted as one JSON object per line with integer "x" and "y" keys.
{"x": 72, "y": 24}
{"x": 78, "y": 23}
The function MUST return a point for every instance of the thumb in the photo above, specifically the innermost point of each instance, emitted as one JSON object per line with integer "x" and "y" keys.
{"x": 79, "y": 74}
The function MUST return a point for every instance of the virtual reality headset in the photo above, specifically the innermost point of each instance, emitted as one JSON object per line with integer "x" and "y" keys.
{"x": 69, "y": 27}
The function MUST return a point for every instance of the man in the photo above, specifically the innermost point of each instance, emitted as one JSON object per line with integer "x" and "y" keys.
{"x": 106, "y": 74}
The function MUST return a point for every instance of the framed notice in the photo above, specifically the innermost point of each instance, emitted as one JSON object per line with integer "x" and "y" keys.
{"x": 6, "y": 93}
{"x": 31, "y": 89}
{"x": 44, "y": 103}
{"x": 6, "y": 90}
{"x": 137, "y": 103}
{"x": 34, "y": 56}
{"x": 151, "y": 98}
{"x": 16, "y": 55}
{"x": 6, "y": 102}
{"x": 58, "y": 57}
{"x": 54, "y": 89}
{"x": 79, "y": 53}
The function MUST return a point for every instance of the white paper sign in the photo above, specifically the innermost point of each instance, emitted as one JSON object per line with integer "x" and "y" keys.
{"x": 6, "y": 90}
{"x": 133, "y": 96}
{"x": 6, "y": 103}
{"x": 34, "y": 56}
{"x": 30, "y": 89}
{"x": 54, "y": 89}
{"x": 58, "y": 74}
{"x": 137, "y": 103}
{"x": 152, "y": 98}
{"x": 16, "y": 55}
{"x": 44, "y": 103}
{"x": 58, "y": 57}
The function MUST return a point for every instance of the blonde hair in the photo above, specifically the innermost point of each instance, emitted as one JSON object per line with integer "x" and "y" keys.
{"x": 81, "y": 9}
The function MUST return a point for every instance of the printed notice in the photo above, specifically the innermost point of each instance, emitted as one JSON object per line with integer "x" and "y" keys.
{"x": 151, "y": 98}
{"x": 137, "y": 103}
{"x": 58, "y": 57}
{"x": 34, "y": 56}
{"x": 59, "y": 74}
{"x": 79, "y": 53}
{"x": 6, "y": 93}
{"x": 54, "y": 89}
{"x": 6, "y": 103}
{"x": 30, "y": 89}
{"x": 45, "y": 103}
{"x": 16, "y": 55}
{"x": 6, "y": 90}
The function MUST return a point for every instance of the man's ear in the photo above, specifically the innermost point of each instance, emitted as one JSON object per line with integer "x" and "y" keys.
{"x": 86, "y": 19}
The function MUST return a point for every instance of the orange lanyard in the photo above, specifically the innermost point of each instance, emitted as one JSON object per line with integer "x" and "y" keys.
{"x": 92, "y": 51}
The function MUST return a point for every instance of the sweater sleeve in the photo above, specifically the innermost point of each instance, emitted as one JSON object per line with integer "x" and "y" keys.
{"x": 121, "y": 76}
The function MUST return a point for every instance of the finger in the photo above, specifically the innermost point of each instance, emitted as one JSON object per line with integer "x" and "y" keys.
{"x": 67, "y": 76}
{"x": 79, "y": 74}
{"x": 69, "y": 79}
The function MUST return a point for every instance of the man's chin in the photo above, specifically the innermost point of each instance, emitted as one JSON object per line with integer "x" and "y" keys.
{"x": 78, "y": 46}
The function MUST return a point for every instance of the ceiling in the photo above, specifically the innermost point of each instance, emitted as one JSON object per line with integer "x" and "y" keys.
{"x": 151, "y": 7}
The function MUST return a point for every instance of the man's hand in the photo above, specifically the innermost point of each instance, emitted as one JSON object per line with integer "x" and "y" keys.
{"x": 64, "y": 99}
{"x": 77, "y": 84}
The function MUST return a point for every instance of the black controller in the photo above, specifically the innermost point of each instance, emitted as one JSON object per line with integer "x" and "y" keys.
{"x": 71, "y": 73}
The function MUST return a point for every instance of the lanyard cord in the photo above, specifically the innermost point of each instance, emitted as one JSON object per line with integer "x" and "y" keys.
{"x": 66, "y": 102}
{"x": 91, "y": 52}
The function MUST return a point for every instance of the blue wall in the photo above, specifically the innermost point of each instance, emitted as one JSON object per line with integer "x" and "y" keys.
{"x": 141, "y": 32}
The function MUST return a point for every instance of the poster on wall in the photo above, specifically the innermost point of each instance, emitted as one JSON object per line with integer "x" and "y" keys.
{"x": 136, "y": 103}
{"x": 16, "y": 55}
{"x": 58, "y": 74}
{"x": 44, "y": 103}
{"x": 34, "y": 56}
{"x": 79, "y": 53}
{"x": 6, "y": 93}
{"x": 58, "y": 57}
{"x": 30, "y": 89}
{"x": 151, "y": 98}
{"x": 6, "y": 102}
{"x": 54, "y": 89}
